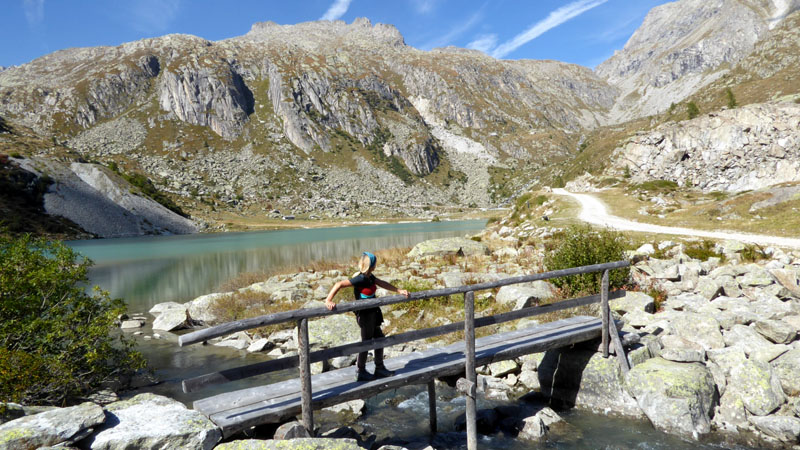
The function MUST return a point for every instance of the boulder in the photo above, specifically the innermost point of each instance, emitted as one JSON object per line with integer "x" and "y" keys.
{"x": 633, "y": 301}
{"x": 699, "y": 328}
{"x": 783, "y": 428}
{"x": 789, "y": 279}
{"x": 239, "y": 340}
{"x": 577, "y": 377}
{"x": 746, "y": 338}
{"x": 132, "y": 324}
{"x": 677, "y": 349}
{"x": 731, "y": 414}
{"x": 768, "y": 353}
{"x": 532, "y": 429}
{"x": 502, "y": 368}
{"x": 708, "y": 288}
{"x": 676, "y": 397}
{"x": 292, "y": 444}
{"x": 154, "y": 421}
{"x": 776, "y": 331}
{"x": 448, "y": 246}
{"x": 259, "y": 345}
{"x": 332, "y": 331}
{"x": 172, "y": 319}
{"x": 638, "y": 319}
{"x": 353, "y": 408}
{"x": 201, "y": 308}
{"x": 291, "y": 430}
{"x": 787, "y": 368}
{"x": 758, "y": 387}
{"x": 525, "y": 294}
{"x": 161, "y": 307}
{"x": 64, "y": 426}
{"x": 756, "y": 276}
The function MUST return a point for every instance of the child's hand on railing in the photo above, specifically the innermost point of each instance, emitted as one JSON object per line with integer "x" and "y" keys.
{"x": 402, "y": 291}
{"x": 330, "y": 305}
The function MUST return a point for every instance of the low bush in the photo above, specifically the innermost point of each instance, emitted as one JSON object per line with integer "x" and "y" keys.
{"x": 702, "y": 250}
{"x": 57, "y": 342}
{"x": 583, "y": 246}
{"x": 754, "y": 253}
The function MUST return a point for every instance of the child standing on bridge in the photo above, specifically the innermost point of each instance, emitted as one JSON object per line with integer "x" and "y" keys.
{"x": 369, "y": 320}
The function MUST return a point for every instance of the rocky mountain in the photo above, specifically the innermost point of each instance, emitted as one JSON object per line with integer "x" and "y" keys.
{"x": 314, "y": 117}
{"x": 329, "y": 119}
{"x": 683, "y": 46}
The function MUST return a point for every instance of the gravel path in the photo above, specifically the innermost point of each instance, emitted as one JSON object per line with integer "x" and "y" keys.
{"x": 594, "y": 211}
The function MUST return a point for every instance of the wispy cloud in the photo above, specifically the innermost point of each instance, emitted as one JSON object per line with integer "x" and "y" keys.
{"x": 336, "y": 10}
{"x": 34, "y": 11}
{"x": 424, "y": 6}
{"x": 454, "y": 32}
{"x": 553, "y": 20}
{"x": 153, "y": 16}
{"x": 484, "y": 42}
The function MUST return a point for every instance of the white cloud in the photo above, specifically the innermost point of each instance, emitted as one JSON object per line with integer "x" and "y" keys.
{"x": 553, "y": 20}
{"x": 454, "y": 32}
{"x": 336, "y": 10}
{"x": 153, "y": 16}
{"x": 424, "y": 6}
{"x": 484, "y": 43}
{"x": 34, "y": 11}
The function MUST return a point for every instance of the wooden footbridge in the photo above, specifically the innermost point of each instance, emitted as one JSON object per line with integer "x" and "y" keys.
{"x": 239, "y": 410}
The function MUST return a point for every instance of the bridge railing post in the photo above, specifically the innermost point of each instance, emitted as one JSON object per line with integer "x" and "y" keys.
{"x": 471, "y": 376}
{"x": 606, "y": 312}
{"x": 305, "y": 375}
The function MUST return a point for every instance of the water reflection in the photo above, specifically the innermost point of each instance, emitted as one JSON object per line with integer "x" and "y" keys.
{"x": 150, "y": 270}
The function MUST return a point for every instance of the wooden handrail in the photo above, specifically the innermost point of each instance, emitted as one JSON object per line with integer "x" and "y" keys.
{"x": 288, "y": 362}
{"x": 310, "y": 313}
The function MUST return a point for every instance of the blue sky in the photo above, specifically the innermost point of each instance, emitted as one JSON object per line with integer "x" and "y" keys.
{"x": 584, "y": 32}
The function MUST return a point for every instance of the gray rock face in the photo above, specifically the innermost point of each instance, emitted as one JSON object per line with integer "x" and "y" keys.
{"x": 59, "y": 426}
{"x": 633, "y": 301}
{"x": 153, "y": 421}
{"x": 751, "y": 147}
{"x": 213, "y": 97}
{"x": 680, "y": 47}
{"x": 676, "y": 397}
{"x": 291, "y": 430}
{"x": 776, "y": 331}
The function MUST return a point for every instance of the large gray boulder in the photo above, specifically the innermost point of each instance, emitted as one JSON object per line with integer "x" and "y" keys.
{"x": 676, "y": 397}
{"x": 291, "y": 444}
{"x": 787, "y": 368}
{"x": 201, "y": 308}
{"x": 154, "y": 421}
{"x": 448, "y": 246}
{"x": 789, "y": 279}
{"x": 333, "y": 330}
{"x": 584, "y": 378}
{"x": 699, "y": 328}
{"x": 776, "y": 331}
{"x": 783, "y": 428}
{"x": 58, "y": 426}
{"x": 172, "y": 319}
{"x": 633, "y": 301}
{"x": 525, "y": 294}
{"x": 758, "y": 387}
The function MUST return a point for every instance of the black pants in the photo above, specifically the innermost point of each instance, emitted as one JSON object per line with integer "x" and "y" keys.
{"x": 369, "y": 320}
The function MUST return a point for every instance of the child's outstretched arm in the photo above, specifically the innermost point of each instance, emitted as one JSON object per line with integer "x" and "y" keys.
{"x": 329, "y": 303}
{"x": 389, "y": 287}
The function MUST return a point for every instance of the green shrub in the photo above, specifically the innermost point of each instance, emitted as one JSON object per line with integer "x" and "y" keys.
{"x": 731, "y": 98}
{"x": 582, "y": 246}
{"x": 656, "y": 186}
{"x": 754, "y": 253}
{"x": 702, "y": 250}
{"x": 58, "y": 341}
{"x": 692, "y": 110}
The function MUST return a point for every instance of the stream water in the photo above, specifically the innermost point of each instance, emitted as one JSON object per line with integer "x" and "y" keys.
{"x": 149, "y": 270}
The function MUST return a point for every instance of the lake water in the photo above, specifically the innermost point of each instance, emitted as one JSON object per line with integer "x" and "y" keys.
{"x": 150, "y": 270}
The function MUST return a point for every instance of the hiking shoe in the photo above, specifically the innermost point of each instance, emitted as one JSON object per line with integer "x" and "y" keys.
{"x": 383, "y": 372}
{"x": 363, "y": 375}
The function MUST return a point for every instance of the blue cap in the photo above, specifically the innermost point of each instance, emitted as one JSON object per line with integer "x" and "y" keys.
{"x": 372, "y": 259}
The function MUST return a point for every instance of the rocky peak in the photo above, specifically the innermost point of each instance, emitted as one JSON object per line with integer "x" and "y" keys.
{"x": 312, "y": 34}
{"x": 680, "y": 47}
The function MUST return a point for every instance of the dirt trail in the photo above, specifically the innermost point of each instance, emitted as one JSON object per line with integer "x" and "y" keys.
{"x": 594, "y": 211}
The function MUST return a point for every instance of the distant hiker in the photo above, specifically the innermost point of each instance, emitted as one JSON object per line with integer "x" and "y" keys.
{"x": 369, "y": 320}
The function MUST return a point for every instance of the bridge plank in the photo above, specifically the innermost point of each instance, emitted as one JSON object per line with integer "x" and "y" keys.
{"x": 239, "y": 410}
